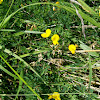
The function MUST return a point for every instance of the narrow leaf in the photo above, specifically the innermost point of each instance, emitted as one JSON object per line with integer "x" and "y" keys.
{"x": 8, "y": 72}
{"x": 86, "y": 7}
{"x": 20, "y": 84}
{"x": 90, "y": 72}
{"x": 85, "y": 47}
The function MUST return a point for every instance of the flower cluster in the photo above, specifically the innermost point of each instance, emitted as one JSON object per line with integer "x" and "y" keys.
{"x": 55, "y": 96}
{"x": 54, "y": 38}
{"x": 1, "y": 1}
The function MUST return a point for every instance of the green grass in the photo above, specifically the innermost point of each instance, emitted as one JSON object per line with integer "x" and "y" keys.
{"x": 32, "y": 67}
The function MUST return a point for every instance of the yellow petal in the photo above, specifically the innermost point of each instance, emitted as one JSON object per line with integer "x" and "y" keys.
{"x": 73, "y": 51}
{"x": 47, "y": 34}
{"x": 99, "y": 10}
{"x": 50, "y": 97}
{"x": 57, "y": 2}
{"x": 72, "y": 47}
{"x": 43, "y": 35}
{"x": 48, "y": 31}
{"x": 55, "y": 42}
{"x": 1, "y": 1}
{"x": 55, "y": 37}
{"x": 58, "y": 98}
{"x": 56, "y": 95}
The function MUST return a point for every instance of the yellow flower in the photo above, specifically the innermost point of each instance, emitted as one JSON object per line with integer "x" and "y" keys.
{"x": 57, "y": 2}
{"x": 55, "y": 39}
{"x": 55, "y": 96}
{"x": 1, "y": 1}
{"x": 99, "y": 10}
{"x": 50, "y": 97}
{"x": 47, "y": 34}
{"x": 72, "y": 48}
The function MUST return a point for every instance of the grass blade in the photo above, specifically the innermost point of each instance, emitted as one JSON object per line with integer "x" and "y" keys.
{"x": 17, "y": 57}
{"x": 20, "y": 84}
{"x": 5, "y": 20}
{"x": 86, "y": 7}
{"x": 35, "y": 52}
{"x": 8, "y": 72}
{"x": 21, "y": 78}
{"x": 90, "y": 72}
{"x": 89, "y": 19}
{"x": 85, "y": 47}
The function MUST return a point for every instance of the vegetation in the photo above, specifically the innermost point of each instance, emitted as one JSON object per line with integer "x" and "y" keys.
{"x": 49, "y": 50}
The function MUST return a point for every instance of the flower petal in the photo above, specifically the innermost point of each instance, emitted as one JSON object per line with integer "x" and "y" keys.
{"x": 1, "y": 1}
{"x": 72, "y": 48}
{"x": 48, "y": 31}
{"x": 57, "y": 2}
{"x": 50, "y": 97}
{"x": 55, "y": 37}
{"x": 73, "y": 51}
{"x": 43, "y": 35}
{"x": 55, "y": 96}
{"x": 55, "y": 42}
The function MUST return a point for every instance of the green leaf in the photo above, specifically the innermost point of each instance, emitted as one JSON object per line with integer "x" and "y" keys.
{"x": 20, "y": 84}
{"x": 90, "y": 72}
{"x": 35, "y": 52}
{"x": 5, "y": 21}
{"x": 86, "y": 7}
{"x": 88, "y": 18}
{"x": 8, "y": 72}
{"x": 85, "y": 47}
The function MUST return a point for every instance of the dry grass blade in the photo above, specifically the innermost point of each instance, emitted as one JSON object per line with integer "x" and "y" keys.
{"x": 74, "y": 1}
{"x": 83, "y": 28}
{"x": 91, "y": 87}
{"x": 80, "y": 51}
